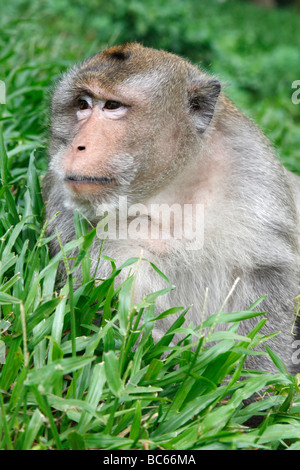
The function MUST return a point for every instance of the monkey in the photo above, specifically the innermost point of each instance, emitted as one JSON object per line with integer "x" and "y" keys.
{"x": 148, "y": 127}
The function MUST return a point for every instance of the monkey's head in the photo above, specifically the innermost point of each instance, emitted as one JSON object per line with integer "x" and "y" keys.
{"x": 126, "y": 121}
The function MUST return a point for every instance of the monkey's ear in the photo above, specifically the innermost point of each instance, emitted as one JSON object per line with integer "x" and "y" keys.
{"x": 203, "y": 97}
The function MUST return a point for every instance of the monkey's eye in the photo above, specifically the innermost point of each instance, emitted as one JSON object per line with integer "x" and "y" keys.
{"x": 82, "y": 104}
{"x": 109, "y": 104}
{"x": 113, "y": 109}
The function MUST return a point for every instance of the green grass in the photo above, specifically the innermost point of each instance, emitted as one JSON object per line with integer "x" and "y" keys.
{"x": 81, "y": 371}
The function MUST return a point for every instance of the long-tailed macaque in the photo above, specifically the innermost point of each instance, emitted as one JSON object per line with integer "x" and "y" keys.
{"x": 146, "y": 127}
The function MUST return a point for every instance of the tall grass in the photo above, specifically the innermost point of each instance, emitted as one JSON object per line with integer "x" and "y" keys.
{"x": 69, "y": 384}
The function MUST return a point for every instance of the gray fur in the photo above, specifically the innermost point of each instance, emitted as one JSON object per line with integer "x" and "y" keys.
{"x": 251, "y": 227}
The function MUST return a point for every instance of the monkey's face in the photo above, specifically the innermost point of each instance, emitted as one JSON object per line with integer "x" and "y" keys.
{"x": 121, "y": 124}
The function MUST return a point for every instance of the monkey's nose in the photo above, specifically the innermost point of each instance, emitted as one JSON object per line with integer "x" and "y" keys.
{"x": 80, "y": 148}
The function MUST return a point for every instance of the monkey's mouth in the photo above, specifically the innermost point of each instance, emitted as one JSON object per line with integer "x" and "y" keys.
{"x": 89, "y": 179}
{"x": 88, "y": 184}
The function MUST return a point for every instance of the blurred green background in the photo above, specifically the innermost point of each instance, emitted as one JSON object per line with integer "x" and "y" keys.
{"x": 255, "y": 51}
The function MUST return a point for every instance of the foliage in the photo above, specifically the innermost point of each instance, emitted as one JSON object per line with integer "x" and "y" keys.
{"x": 82, "y": 370}
{"x": 238, "y": 41}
